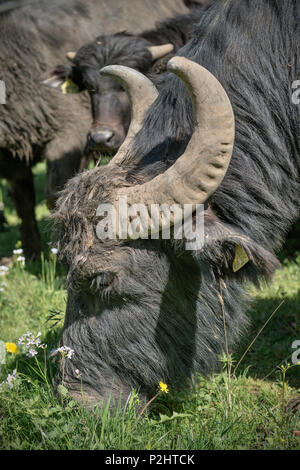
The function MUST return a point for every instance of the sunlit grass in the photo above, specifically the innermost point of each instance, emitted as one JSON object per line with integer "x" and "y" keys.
{"x": 33, "y": 298}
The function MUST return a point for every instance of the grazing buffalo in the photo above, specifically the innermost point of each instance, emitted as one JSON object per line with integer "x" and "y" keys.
{"x": 223, "y": 132}
{"x": 109, "y": 101}
{"x": 35, "y": 123}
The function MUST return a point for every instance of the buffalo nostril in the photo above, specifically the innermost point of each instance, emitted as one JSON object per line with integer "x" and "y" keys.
{"x": 101, "y": 137}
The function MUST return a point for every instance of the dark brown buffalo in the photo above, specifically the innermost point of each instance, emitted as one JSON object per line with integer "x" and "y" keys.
{"x": 35, "y": 123}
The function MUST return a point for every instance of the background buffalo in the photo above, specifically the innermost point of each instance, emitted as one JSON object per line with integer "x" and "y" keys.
{"x": 147, "y": 52}
{"x": 35, "y": 123}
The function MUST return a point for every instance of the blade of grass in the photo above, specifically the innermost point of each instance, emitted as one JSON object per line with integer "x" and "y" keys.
{"x": 230, "y": 425}
{"x": 258, "y": 334}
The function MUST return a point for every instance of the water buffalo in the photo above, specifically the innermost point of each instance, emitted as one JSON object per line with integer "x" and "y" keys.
{"x": 109, "y": 102}
{"x": 35, "y": 123}
{"x": 223, "y": 132}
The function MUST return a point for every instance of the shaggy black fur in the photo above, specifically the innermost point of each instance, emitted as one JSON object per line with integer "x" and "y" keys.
{"x": 31, "y": 118}
{"x": 252, "y": 47}
{"x": 36, "y": 123}
{"x": 139, "y": 312}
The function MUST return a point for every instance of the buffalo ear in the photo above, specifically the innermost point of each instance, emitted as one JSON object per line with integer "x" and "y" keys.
{"x": 59, "y": 78}
{"x": 235, "y": 254}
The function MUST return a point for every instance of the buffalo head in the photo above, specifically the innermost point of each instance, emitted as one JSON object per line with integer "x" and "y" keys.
{"x": 143, "y": 309}
{"x": 109, "y": 101}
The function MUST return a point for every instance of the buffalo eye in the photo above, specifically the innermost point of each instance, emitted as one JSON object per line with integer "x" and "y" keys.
{"x": 102, "y": 280}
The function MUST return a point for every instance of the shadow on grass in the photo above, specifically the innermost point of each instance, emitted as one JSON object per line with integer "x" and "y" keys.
{"x": 292, "y": 244}
{"x": 273, "y": 347}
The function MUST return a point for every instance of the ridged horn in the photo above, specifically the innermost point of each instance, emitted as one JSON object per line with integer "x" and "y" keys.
{"x": 158, "y": 52}
{"x": 196, "y": 175}
{"x": 142, "y": 93}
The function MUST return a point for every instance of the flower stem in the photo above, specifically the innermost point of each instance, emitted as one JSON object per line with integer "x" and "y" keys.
{"x": 146, "y": 406}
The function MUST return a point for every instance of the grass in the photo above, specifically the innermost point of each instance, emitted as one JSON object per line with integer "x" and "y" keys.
{"x": 200, "y": 417}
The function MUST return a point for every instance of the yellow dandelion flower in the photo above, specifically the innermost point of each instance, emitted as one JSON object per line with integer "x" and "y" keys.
{"x": 11, "y": 348}
{"x": 163, "y": 387}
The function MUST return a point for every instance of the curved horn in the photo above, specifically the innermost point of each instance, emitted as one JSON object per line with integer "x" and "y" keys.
{"x": 142, "y": 93}
{"x": 196, "y": 175}
{"x": 158, "y": 52}
{"x": 70, "y": 56}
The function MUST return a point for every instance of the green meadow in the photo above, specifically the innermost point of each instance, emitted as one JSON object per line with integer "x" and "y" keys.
{"x": 253, "y": 403}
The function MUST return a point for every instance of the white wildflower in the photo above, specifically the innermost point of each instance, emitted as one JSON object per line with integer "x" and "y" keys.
{"x": 65, "y": 351}
{"x": 54, "y": 251}
{"x": 3, "y": 270}
{"x": 31, "y": 342}
{"x": 21, "y": 260}
{"x": 18, "y": 251}
{"x": 31, "y": 352}
{"x": 11, "y": 379}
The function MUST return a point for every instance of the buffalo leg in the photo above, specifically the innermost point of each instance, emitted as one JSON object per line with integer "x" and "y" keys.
{"x": 2, "y": 218}
{"x": 23, "y": 195}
